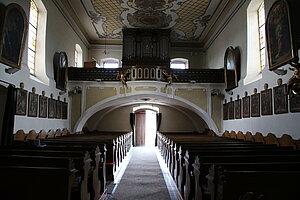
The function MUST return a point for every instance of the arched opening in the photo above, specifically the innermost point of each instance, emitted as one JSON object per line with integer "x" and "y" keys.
{"x": 145, "y": 125}
{"x": 113, "y": 113}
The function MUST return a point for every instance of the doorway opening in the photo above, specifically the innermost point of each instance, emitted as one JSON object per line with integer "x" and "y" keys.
{"x": 145, "y": 126}
{"x": 150, "y": 128}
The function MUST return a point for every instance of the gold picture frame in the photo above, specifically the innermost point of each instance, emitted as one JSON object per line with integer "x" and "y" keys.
{"x": 13, "y": 36}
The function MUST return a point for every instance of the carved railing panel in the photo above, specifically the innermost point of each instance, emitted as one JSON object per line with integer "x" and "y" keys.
{"x": 147, "y": 73}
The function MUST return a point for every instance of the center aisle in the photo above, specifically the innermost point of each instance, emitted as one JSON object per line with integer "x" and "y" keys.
{"x": 143, "y": 178}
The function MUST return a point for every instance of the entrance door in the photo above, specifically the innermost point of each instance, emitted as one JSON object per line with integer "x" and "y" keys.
{"x": 140, "y": 127}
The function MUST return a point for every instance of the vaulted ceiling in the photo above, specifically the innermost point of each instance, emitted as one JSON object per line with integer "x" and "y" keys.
{"x": 189, "y": 20}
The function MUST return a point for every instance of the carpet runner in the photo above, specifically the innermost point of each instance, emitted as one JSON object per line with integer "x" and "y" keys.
{"x": 143, "y": 178}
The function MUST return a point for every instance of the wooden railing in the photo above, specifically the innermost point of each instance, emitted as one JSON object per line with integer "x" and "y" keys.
{"x": 147, "y": 73}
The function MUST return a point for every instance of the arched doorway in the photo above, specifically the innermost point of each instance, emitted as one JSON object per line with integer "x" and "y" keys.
{"x": 145, "y": 125}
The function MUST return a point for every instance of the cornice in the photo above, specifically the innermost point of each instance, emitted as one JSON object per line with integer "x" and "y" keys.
{"x": 65, "y": 9}
{"x": 227, "y": 13}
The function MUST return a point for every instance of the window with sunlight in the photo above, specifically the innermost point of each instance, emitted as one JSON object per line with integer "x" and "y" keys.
{"x": 179, "y": 63}
{"x": 110, "y": 63}
{"x": 32, "y": 36}
{"x": 78, "y": 56}
{"x": 255, "y": 41}
{"x": 261, "y": 31}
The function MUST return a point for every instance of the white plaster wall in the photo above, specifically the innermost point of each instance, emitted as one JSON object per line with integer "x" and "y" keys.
{"x": 235, "y": 34}
{"x": 195, "y": 56}
{"x": 59, "y": 37}
{"x": 112, "y": 52}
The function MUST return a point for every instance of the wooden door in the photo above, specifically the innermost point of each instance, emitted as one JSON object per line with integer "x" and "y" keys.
{"x": 140, "y": 128}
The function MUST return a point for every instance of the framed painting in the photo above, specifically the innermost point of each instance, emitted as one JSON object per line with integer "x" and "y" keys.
{"x": 13, "y": 36}
{"x": 231, "y": 110}
{"x": 225, "y": 111}
{"x": 237, "y": 109}
{"x": 295, "y": 103}
{"x": 231, "y": 68}
{"x": 279, "y": 35}
{"x": 64, "y": 110}
{"x": 21, "y": 104}
{"x": 58, "y": 109}
{"x": 51, "y": 108}
{"x": 266, "y": 102}
{"x": 43, "y": 102}
{"x": 33, "y": 100}
{"x": 255, "y": 105}
{"x": 280, "y": 99}
{"x": 246, "y": 107}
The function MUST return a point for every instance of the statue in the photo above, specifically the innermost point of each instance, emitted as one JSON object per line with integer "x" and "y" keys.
{"x": 122, "y": 76}
{"x": 170, "y": 77}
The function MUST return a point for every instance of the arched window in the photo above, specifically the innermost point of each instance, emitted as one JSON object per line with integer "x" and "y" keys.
{"x": 78, "y": 56}
{"x": 110, "y": 63}
{"x": 255, "y": 40}
{"x": 179, "y": 63}
{"x": 36, "y": 41}
{"x": 262, "y": 35}
{"x": 32, "y": 36}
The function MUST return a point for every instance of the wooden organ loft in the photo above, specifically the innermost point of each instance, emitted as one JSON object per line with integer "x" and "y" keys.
{"x": 146, "y": 48}
{"x": 145, "y": 57}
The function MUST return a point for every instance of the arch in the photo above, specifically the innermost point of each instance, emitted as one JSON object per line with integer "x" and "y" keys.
{"x": 118, "y": 101}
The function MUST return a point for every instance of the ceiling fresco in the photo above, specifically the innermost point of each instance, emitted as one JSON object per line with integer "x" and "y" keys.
{"x": 186, "y": 18}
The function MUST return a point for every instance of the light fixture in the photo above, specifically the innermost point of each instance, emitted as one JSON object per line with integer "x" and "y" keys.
{"x": 105, "y": 36}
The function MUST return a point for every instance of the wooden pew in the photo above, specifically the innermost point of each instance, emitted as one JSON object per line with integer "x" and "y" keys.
{"x": 116, "y": 150}
{"x": 20, "y": 174}
{"x": 206, "y": 160}
{"x": 256, "y": 153}
{"x": 81, "y": 160}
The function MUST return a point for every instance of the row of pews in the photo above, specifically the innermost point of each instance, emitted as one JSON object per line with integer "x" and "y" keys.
{"x": 221, "y": 168}
{"x": 74, "y": 167}
{"x": 270, "y": 138}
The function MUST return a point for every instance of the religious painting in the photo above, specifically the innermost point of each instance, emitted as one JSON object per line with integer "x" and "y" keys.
{"x": 237, "y": 109}
{"x": 13, "y": 35}
{"x": 225, "y": 111}
{"x": 33, "y": 104}
{"x": 246, "y": 107}
{"x": 266, "y": 102}
{"x": 279, "y": 35}
{"x": 295, "y": 103}
{"x": 64, "y": 110}
{"x": 21, "y": 106}
{"x": 255, "y": 105}
{"x": 231, "y": 110}
{"x": 51, "y": 108}
{"x": 58, "y": 109}
{"x": 231, "y": 68}
{"x": 43, "y": 106}
{"x": 280, "y": 99}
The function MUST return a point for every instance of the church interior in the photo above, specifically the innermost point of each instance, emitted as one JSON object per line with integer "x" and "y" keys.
{"x": 149, "y": 99}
